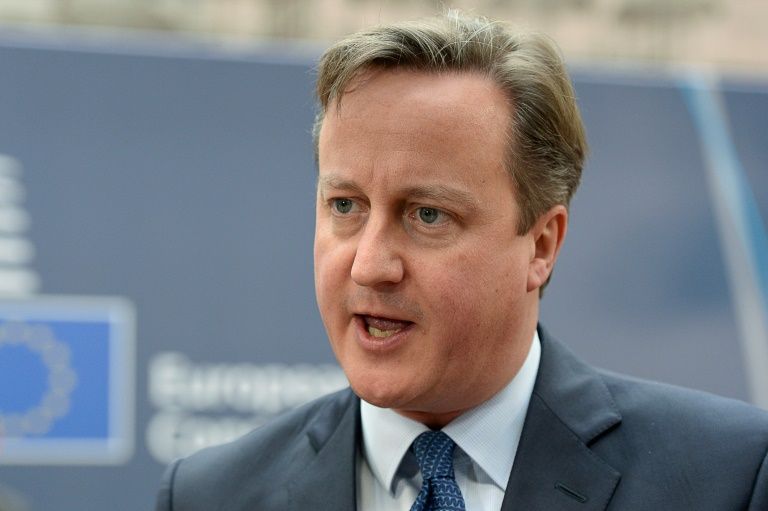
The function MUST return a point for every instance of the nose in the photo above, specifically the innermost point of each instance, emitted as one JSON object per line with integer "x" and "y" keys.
{"x": 377, "y": 260}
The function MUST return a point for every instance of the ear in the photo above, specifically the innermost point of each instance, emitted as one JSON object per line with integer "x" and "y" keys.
{"x": 548, "y": 234}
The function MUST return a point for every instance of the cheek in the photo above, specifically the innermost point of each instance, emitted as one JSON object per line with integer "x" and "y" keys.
{"x": 477, "y": 290}
{"x": 332, "y": 270}
{"x": 455, "y": 299}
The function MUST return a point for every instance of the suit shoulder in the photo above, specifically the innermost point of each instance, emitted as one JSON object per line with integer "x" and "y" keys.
{"x": 694, "y": 449}
{"x": 686, "y": 411}
{"x": 261, "y": 455}
{"x": 278, "y": 434}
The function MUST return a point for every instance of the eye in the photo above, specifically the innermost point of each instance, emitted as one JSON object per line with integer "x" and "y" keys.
{"x": 342, "y": 205}
{"x": 429, "y": 215}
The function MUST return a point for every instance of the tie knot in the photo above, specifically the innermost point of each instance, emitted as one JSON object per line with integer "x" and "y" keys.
{"x": 434, "y": 452}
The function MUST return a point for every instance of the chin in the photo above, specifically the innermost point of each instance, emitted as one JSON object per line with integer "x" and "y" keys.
{"x": 374, "y": 399}
{"x": 378, "y": 393}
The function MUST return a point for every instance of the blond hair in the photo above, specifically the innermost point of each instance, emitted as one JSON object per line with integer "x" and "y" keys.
{"x": 547, "y": 144}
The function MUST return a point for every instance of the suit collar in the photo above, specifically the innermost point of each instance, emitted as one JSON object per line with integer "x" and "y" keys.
{"x": 574, "y": 391}
{"x": 570, "y": 409}
{"x": 326, "y": 477}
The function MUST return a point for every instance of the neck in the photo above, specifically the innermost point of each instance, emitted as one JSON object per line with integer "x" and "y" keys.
{"x": 439, "y": 419}
{"x": 433, "y": 421}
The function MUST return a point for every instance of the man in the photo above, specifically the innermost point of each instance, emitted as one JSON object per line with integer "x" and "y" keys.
{"x": 448, "y": 152}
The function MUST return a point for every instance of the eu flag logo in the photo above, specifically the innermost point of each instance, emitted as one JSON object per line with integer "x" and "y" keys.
{"x": 66, "y": 380}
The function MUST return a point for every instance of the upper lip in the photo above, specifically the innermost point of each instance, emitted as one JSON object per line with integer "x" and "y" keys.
{"x": 382, "y": 315}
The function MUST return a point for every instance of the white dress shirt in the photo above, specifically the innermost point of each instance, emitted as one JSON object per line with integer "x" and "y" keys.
{"x": 486, "y": 438}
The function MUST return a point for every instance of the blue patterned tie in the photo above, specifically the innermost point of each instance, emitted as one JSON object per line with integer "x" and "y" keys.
{"x": 439, "y": 491}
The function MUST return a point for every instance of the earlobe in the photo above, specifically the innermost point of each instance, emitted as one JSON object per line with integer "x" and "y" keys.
{"x": 548, "y": 234}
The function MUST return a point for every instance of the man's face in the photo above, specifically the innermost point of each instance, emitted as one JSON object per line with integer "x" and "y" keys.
{"x": 422, "y": 280}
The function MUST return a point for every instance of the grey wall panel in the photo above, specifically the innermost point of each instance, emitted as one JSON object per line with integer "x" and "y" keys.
{"x": 640, "y": 284}
{"x": 748, "y": 110}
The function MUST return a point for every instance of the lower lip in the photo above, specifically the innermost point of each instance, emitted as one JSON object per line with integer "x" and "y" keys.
{"x": 379, "y": 344}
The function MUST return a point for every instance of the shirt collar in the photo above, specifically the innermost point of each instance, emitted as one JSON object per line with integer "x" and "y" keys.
{"x": 482, "y": 432}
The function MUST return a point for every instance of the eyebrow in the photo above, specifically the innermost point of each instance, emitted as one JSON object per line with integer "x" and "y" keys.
{"x": 338, "y": 183}
{"x": 439, "y": 193}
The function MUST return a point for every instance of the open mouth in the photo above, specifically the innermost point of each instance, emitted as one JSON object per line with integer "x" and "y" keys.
{"x": 381, "y": 328}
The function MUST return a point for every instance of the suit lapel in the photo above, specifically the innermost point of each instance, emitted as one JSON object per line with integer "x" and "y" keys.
{"x": 570, "y": 409}
{"x": 325, "y": 478}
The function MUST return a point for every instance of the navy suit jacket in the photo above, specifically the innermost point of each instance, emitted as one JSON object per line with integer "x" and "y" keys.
{"x": 591, "y": 441}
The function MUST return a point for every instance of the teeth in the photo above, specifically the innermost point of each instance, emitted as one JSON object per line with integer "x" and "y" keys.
{"x": 375, "y": 332}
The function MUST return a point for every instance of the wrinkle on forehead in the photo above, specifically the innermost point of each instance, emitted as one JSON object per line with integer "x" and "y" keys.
{"x": 422, "y": 92}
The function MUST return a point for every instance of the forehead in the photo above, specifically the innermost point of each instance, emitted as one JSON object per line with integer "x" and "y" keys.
{"x": 404, "y": 119}
{"x": 468, "y": 97}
